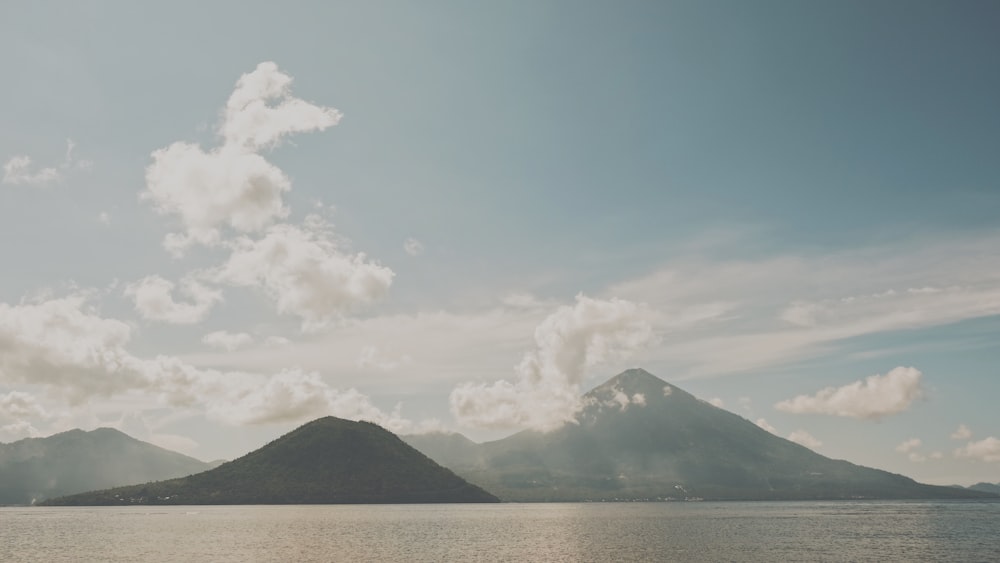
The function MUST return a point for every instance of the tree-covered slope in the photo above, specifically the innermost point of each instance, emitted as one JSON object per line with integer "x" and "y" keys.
{"x": 34, "y": 469}
{"x": 329, "y": 460}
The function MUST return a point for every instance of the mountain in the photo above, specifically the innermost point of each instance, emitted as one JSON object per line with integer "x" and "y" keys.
{"x": 986, "y": 487}
{"x": 641, "y": 438}
{"x": 326, "y": 461}
{"x": 34, "y": 469}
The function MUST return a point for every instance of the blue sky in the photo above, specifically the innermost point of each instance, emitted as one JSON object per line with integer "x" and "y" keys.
{"x": 510, "y": 203}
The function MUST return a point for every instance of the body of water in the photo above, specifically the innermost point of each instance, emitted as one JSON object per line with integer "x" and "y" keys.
{"x": 698, "y": 531}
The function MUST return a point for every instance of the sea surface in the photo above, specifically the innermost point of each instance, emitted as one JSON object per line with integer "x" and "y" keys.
{"x": 964, "y": 531}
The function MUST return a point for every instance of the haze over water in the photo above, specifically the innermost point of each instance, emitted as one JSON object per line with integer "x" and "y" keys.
{"x": 704, "y": 531}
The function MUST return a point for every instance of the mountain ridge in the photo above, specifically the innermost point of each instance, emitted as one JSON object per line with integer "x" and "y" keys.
{"x": 641, "y": 438}
{"x": 326, "y": 461}
{"x": 34, "y": 469}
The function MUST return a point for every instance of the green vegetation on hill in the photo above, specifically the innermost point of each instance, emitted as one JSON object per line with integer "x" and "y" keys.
{"x": 664, "y": 443}
{"x": 326, "y": 461}
{"x": 35, "y": 469}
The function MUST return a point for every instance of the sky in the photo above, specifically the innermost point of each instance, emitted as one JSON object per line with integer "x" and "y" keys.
{"x": 221, "y": 220}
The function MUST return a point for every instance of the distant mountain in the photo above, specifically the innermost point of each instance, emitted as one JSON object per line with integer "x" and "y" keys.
{"x": 326, "y": 461}
{"x": 642, "y": 438}
{"x": 987, "y": 487}
{"x": 34, "y": 469}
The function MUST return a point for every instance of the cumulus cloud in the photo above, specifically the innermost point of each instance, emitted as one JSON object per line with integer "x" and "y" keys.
{"x": 546, "y": 391}
{"x": 64, "y": 346}
{"x": 153, "y": 298}
{"x": 717, "y": 402}
{"x": 413, "y": 247}
{"x": 261, "y": 110}
{"x": 873, "y": 398}
{"x": 233, "y": 185}
{"x": 305, "y": 272}
{"x": 961, "y": 433}
{"x": 63, "y": 343}
{"x": 987, "y": 449}
{"x": 208, "y": 190}
{"x": 228, "y": 341}
{"x": 804, "y": 438}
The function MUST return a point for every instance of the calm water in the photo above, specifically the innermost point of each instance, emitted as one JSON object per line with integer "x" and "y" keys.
{"x": 798, "y": 531}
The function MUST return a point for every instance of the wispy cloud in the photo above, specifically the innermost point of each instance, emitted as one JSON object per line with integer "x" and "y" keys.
{"x": 781, "y": 309}
{"x": 21, "y": 169}
{"x": 961, "y": 433}
{"x": 229, "y": 341}
{"x": 413, "y": 247}
{"x": 803, "y": 438}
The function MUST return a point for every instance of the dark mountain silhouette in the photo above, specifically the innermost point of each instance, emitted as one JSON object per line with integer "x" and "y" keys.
{"x": 986, "y": 487}
{"x": 642, "y": 438}
{"x": 34, "y": 469}
{"x": 326, "y": 461}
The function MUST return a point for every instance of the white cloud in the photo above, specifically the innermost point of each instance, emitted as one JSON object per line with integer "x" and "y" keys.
{"x": 370, "y": 357}
{"x": 804, "y": 438}
{"x": 787, "y": 308}
{"x": 717, "y": 402}
{"x": 18, "y": 170}
{"x": 276, "y": 341}
{"x": 208, "y": 190}
{"x": 872, "y": 398}
{"x": 987, "y": 449}
{"x": 296, "y": 396}
{"x": 17, "y": 405}
{"x": 305, "y": 272}
{"x": 261, "y": 110}
{"x": 64, "y": 344}
{"x": 64, "y": 347}
{"x": 961, "y": 433}
{"x": 617, "y": 398}
{"x": 546, "y": 392}
{"x": 228, "y": 341}
{"x": 766, "y": 426}
{"x": 18, "y": 430}
{"x": 232, "y": 185}
{"x": 153, "y": 298}
{"x": 413, "y": 247}
{"x": 909, "y": 445}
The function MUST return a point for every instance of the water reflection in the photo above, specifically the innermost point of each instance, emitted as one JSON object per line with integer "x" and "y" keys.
{"x": 803, "y": 531}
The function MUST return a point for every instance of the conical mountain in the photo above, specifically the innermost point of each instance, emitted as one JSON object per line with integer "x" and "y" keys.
{"x": 326, "y": 461}
{"x": 641, "y": 438}
{"x": 34, "y": 469}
